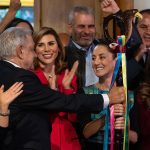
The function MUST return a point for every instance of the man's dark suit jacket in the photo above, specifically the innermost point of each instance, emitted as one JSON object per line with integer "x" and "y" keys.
{"x": 29, "y": 125}
{"x": 73, "y": 54}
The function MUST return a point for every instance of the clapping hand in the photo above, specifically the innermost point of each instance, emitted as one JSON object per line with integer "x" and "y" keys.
{"x": 140, "y": 52}
{"x": 8, "y": 96}
{"x": 69, "y": 75}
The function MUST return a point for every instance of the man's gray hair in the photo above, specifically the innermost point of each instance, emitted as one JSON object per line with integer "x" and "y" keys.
{"x": 10, "y": 39}
{"x": 80, "y": 10}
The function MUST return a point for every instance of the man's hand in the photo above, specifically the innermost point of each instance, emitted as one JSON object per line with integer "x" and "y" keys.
{"x": 140, "y": 52}
{"x": 117, "y": 95}
{"x": 109, "y": 6}
{"x": 14, "y": 5}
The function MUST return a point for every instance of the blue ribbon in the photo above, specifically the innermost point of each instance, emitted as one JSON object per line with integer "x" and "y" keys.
{"x": 106, "y": 128}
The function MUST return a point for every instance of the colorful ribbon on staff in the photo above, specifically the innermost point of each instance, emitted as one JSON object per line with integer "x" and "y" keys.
{"x": 110, "y": 111}
{"x": 121, "y": 42}
{"x": 129, "y": 95}
{"x": 121, "y": 60}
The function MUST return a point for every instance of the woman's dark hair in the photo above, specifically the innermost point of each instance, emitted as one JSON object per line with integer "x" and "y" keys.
{"x": 16, "y": 21}
{"x": 104, "y": 42}
{"x": 60, "y": 64}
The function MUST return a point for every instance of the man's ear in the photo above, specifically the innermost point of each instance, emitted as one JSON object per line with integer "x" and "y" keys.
{"x": 19, "y": 51}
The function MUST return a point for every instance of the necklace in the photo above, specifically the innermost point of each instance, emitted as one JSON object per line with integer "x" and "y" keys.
{"x": 102, "y": 87}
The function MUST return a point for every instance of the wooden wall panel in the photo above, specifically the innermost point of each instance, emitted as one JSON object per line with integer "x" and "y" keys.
{"x": 54, "y": 13}
{"x": 125, "y": 4}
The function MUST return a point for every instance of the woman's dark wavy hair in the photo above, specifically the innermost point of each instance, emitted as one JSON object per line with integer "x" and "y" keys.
{"x": 60, "y": 64}
{"x": 106, "y": 43}
{"x": 16, "y": 21}
{"x": 145, "y": 85}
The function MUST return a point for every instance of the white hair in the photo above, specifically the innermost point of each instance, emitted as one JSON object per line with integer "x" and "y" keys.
{"x": 80, "y": 10}
{"x": 10, "y": 39}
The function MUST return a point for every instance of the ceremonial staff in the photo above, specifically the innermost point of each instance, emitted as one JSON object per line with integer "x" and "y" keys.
{"x": 121, "y": 80}
{"x": 121, "y": 142}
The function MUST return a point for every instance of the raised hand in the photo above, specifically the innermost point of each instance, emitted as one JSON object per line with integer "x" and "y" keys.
{"x": 109, "y": 6}
{"x": 52, "y": 79}
{"x": 69, "y": 75}
{"x": 117, "y": 95}
{"x": 8, "y": 96}
{"x": 14, "y": 5}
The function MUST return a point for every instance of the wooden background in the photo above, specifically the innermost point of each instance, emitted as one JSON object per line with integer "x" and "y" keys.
{"x": 54, "y": 13}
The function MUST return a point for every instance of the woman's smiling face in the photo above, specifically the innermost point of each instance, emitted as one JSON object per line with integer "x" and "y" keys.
{"x": 47, "y": 49}
{"x": 103, "y": 61}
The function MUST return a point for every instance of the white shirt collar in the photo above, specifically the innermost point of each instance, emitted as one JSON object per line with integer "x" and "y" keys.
{"x": 81, "y": 48}
{"x": 12, "y": 63}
